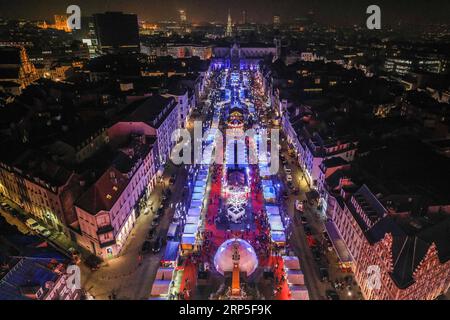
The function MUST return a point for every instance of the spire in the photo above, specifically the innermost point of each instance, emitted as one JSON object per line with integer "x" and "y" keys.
{"x": 229, "y": 30}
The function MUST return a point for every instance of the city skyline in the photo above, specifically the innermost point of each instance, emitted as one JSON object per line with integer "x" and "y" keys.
{"x": 288, "y": 159}
{"x": 325, "y": 11}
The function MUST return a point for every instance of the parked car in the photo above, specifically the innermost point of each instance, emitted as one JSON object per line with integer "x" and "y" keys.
{"x": 304, "y": 220}
{"x": 324, "y": 276}
{"x": 332, "y": 295}
{"x": 157, "y": 245}
{"x": 43, "y": 231}
{"x": 32, "y": 224}
{"x": 146, "y": 246}
{"x": 299, "y": 205}
{"x": 316, "y": 254}
{"x": 308, "y": 230}
{"x": 289, "y": 178}
{"x": 151, "y": 233}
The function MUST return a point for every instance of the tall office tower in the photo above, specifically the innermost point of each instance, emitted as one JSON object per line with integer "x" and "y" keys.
{"x": 117, "y": 32}
{"x": 229, "y": 30}
{"x": 244, "y": 17}
{"x": 276, "y": 22}
{"x": 183, "y": 18}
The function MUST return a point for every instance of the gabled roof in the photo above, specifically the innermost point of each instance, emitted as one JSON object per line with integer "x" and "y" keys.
{"x": 104, "y": 193}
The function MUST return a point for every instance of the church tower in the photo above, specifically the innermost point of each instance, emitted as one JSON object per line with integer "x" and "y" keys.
{"x": 229, "y": 30}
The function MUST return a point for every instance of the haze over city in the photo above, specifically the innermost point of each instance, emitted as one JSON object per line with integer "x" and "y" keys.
{"x": 261, "y": 11}
{"x": 208, "y": 152}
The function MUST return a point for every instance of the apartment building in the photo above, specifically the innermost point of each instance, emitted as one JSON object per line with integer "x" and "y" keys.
{"x": 107, "y": 211}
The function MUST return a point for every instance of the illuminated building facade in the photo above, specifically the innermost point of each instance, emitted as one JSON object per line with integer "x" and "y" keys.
{"x": 42, "y": 188}
{"x": 387, "y": 235}
{"x": 107, "y": 211}
{"x": 229, "y": 29}
{"x": 15, "y": 66}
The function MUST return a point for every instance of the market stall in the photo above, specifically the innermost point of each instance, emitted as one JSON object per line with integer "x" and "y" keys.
{"x": 187, "y": 241}
{"x": 194, "y": 212}
{"x": 291, "y": 262}
{"x": 164, "y": 273}
{"x": 170, "y": 258}
{"x": 160, "y": 288}
{"x": 299, "y": 292}
{"x": 295, "y": 277}
{"x": 275, "y": 223}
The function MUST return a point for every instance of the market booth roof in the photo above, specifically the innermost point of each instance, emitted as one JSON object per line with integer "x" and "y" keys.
{"x": 275, "y": 223}
{"x": 160, "y": 287}
{"x": 291, "y": 262}
{"x": 171, "y": 252}
{"x": 164, "y": 273}
{"x": 272, "y": 210}
{"x": 299, "y": 292}
{"x": 190, "y": 229}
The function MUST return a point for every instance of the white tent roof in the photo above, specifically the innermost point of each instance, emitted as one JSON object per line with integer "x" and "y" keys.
{"x": 199, "y": 190}
{"x": 197, "y": 196}
{"x": 192, "y": 220}
{"x": 172, "y": 229}
{"x": 164, "y": 274}
{"x": 188, "y": 238}
{"x": 295, "y": 277}
{"x": 190, "y": 228}
{"x": 160, "y": 287}
{"x": 275, "y": 223}
{"x": 200, "y": 183}
{"x": 194, "y": 212}
{"x": 299, "y": 292}
{"x": 272, "y": 210}
{"x": 196, "y": 204}
{"x": 291, "y": 262}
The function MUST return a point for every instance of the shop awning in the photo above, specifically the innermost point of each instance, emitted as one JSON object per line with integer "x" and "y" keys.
{"x": 338, "y": 244}
{"x": 171, "y": 252}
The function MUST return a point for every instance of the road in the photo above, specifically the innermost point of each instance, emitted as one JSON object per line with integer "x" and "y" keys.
{"x": 126, "y": 276}
{"x": 298, "y": 241}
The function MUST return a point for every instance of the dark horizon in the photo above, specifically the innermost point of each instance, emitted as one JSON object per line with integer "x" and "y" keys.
{"x": 262, "y": 11}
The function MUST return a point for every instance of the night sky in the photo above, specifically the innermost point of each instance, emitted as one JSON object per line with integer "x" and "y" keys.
{"x": 326, "y": 11}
